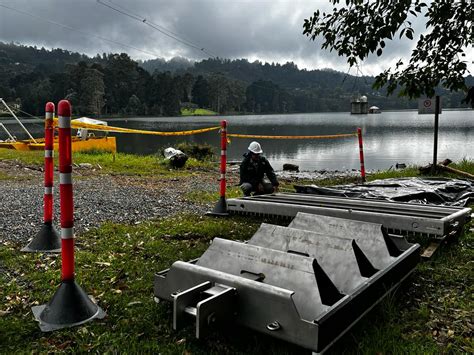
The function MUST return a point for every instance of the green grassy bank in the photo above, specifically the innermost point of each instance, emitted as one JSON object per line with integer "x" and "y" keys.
{"x": 431, "y": 313}
{"x": 197, "y": 112}
{"x": 105, "y": 162}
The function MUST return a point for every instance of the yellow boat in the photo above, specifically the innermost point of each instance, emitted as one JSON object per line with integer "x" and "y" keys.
{"x": 78, "y": 144}
{"x": 83, "y": 141}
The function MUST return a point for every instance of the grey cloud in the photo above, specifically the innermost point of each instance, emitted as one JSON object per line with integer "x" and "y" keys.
{"x": 259, "y": 29}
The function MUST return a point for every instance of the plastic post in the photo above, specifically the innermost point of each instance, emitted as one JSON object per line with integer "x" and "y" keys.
{"x": 361, "y": 154}
{"x": 65, "y": 191}
{"x": 223, "y": 158}
{"x": 47, "y": 239}
{"x": 221, "y": 207}
{"x": 48, "y": 163}
{"x": 70, "y": 305}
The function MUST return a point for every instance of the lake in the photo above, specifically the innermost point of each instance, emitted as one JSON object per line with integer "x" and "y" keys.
{"x": 389, "y": 137}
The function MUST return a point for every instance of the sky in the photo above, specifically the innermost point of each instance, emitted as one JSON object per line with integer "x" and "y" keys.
{"x": 265, "y": 30}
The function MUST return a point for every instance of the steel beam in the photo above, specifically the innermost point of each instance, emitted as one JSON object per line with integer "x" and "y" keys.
{"x": 395, "y": 217}
{"x": 287, "y": 302}
{"x": 307, "y": 284}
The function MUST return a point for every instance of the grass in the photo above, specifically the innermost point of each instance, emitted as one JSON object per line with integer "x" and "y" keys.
{"x": 430, "y": 313}
{"x": 465, "y": 165}
{"x": 146, "y": 165}
{"x": 25, "y": 157}
{"x": 197, "y": 112}
{"x": 4, "y": 176}
{"x": 115, "y": 263}
{"x": 119, "y": 163}
{"x": 206, "y": 196}
{"x": 410, "y": 171}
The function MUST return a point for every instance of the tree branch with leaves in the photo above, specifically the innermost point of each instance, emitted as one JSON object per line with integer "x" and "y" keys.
{"x": 361, "y": 28}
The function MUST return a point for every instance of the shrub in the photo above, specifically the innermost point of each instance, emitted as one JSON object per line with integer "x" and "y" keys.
{"x": 197, "y": 151}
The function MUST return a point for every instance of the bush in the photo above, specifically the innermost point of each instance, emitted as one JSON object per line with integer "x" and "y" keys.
{"x": 197, "y": 151}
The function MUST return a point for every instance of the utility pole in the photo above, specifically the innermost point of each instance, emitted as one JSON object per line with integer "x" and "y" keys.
{"x": 435, "y": 148}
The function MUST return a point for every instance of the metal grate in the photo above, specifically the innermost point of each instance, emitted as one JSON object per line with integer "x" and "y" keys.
{"x": 397, "y": 218}
{"x": 307, "y": 283}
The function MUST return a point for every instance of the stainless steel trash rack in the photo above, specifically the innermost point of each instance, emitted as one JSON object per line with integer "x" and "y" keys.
{"x": 303, "y": 284}
{"x": 397, "y": 217}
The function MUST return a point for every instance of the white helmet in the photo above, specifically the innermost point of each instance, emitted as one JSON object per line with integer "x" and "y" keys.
{"x": 255, "y": 147}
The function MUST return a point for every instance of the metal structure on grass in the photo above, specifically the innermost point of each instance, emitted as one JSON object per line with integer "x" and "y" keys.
{"x": 397, "y": 217}
{"x": 303, "y": 284}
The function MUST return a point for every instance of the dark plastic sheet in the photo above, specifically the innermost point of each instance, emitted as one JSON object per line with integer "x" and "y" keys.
{"x": 439, "y": 191}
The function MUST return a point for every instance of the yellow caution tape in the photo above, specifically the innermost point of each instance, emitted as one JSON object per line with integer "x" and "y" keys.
{"x": 291, "y": 137}
{"x": 95, "y": 127}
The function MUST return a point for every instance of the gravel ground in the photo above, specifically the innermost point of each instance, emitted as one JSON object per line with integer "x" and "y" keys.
{"x": 97, "y": 199}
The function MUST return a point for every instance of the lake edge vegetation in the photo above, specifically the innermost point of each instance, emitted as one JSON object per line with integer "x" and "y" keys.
{"x": 114, "y": 85}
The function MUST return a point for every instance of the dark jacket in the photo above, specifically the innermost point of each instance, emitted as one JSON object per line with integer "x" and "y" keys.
{"x": 253, "y": 171}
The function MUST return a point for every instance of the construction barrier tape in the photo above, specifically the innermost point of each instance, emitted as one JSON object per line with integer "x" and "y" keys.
{"x": 95, "y": 127}
{"x": 291, "y": 137}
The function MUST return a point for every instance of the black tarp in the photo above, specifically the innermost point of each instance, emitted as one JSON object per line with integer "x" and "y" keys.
{"x": 440, "y": 191}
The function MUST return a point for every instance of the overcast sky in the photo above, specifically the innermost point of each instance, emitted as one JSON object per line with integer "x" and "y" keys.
{"x": 267, "y": 30}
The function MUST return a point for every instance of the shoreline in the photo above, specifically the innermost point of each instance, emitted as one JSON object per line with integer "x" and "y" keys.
{"x": 126, "y": 117}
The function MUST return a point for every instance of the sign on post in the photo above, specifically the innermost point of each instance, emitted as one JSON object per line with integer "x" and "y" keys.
{"x": 427, "y": 106}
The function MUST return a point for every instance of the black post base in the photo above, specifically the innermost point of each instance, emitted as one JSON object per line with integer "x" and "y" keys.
{"x": 47, "y": 240}
{"x": 220, "y": 209}
{"x": 69, "y": 307}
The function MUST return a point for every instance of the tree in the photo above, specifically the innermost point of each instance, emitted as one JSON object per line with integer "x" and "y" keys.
{"x": 265, "y": 97}
{"x": 185, "y": 82}
{"x": 217, "y": 92}
{"x": 92, "y": 92}
{"x": 120, "y": 77}
{"x": 200, "y": 92}
{"x": 165, "y": 95}
{"x": 134, "y": 106}
{"x": 362, "y": 27}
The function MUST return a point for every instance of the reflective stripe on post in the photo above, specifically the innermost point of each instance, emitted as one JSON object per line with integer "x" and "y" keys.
{"x": 48, "y": 163}
{"x": 361, "y": 154}
{"x": 223, "y": 157}
{"x": 66, "y": 191}
{"x": 70, "y": 305}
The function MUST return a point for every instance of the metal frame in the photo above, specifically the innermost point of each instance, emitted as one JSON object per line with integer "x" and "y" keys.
{"x": 305, "y": 287}
{"x": 396, "y": 217}
{"x": 18, "y": 120}
{"x": 8, "y": 132}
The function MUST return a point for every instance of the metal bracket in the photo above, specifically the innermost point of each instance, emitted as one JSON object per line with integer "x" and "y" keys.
{"x": 215, "y": 309}
{"x": 206, "y": 303}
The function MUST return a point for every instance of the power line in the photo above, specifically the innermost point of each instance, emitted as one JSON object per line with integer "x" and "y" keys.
{"x": 120, "y": 9}
{"x": 135, "y": 17}
{"x": 161, "y": 29}
{"x": 79, "y": 31}
{"x": 144, "y": 20}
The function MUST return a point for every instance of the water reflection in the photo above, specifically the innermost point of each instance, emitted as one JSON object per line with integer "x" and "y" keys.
{"x": 389, "y": 138}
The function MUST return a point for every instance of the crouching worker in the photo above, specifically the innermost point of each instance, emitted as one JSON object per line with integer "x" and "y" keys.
{"x": 253, "y": 168}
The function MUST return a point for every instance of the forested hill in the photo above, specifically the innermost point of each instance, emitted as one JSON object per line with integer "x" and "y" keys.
{"x": 114, "y": 84}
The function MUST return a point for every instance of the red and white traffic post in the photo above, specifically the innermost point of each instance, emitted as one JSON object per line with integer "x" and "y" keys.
{"x": 221, "y": 207}
{"x": 361, "y": 155}
{"x": 65, "y": 191}
{"x": 70, "y": 305}
{"x": 47, "y": 240}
